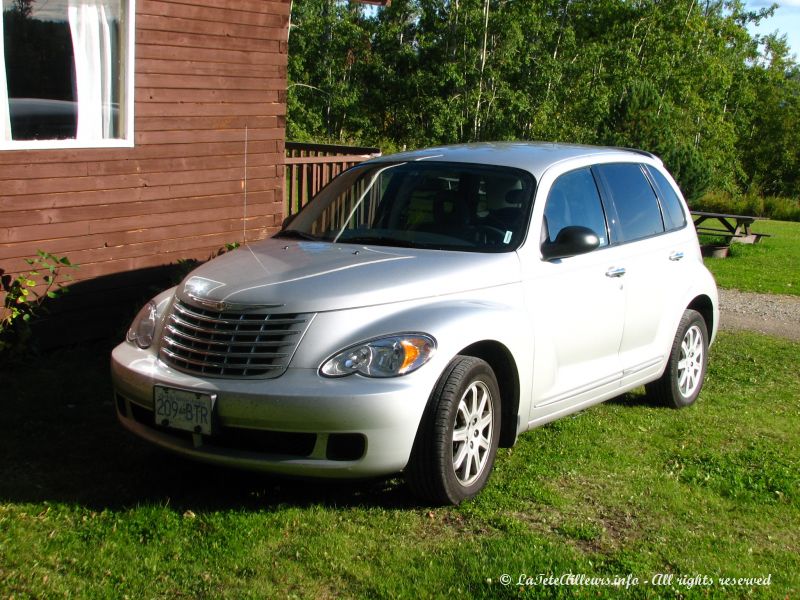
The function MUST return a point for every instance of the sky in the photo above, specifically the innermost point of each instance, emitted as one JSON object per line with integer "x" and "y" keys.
{"x": 786, "y": 21}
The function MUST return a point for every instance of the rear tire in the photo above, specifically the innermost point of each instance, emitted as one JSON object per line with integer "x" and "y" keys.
{"x": 456, "y": 443}
{"x": 683, "y": 378}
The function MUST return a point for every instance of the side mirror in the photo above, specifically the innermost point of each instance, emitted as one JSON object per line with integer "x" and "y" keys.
{"x": 571, "y": 241}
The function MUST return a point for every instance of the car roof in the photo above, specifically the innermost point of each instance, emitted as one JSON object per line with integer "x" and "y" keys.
{"x": 534, "y": 157}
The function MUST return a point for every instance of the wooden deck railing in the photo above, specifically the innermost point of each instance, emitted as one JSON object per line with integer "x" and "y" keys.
{"x": 309, "y": 168}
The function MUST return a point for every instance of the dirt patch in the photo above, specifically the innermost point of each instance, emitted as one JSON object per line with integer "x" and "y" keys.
{"x": 771, "y": 314}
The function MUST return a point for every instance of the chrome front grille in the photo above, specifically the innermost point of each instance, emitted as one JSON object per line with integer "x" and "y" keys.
{"x": 256, "y": 343}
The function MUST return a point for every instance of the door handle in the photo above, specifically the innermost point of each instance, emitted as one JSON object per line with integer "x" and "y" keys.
{"x": 676, "y": 256}
{"x": 615, "y": 272}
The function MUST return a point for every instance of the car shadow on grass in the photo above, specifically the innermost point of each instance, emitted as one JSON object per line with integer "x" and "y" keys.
{"x": 635, "y": 398}
{"x": 60, "y": 441}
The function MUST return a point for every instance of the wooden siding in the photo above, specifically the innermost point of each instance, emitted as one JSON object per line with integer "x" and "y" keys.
{"x": 204, "y": 71}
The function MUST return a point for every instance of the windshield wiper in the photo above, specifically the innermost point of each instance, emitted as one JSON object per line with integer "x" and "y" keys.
{"x": 296, "y": 234}
{"x": 377, "y": 240}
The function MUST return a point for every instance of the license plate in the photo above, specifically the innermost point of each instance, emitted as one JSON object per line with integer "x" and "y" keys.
{"x": 182, "y": 409}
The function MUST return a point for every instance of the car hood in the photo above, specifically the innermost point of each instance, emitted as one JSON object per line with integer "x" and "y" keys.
{"x": 318, "y": 276}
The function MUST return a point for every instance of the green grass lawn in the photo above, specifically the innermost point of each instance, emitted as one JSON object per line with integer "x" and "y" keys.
{"x": 623, "y": 489}
{"x": 771, "y": 266}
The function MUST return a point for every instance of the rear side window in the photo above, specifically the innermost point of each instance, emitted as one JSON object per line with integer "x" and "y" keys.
{"x": 574, "y": 200}
{"x": 674, "y": 217}
{"x": 635, "y": 201}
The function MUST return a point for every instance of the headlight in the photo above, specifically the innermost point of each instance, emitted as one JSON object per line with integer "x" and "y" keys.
{"x": 384, "y": 357}
{"x": 143, "y": 327}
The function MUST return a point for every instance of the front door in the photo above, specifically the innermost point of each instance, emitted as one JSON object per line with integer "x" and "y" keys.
{"x": 577, "y": 304}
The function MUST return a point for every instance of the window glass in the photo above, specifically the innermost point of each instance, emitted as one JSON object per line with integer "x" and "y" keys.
{"x": 464, "y": 207}
{"x": 634, "y": 199}
{"x": 574, "y": 200}
{"x": 674, "y": 217}
{"x": 62, "y": 70}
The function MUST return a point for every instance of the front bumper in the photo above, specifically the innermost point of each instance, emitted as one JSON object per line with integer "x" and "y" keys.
{"x": 297, "y": 424}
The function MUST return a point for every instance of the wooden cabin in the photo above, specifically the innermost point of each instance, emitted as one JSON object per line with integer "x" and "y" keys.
{"x": 136, "y": 133}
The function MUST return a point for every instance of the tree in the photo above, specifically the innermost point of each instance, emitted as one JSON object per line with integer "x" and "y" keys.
{"x": 684, "y": 79}
{"x": 772, "y": 138}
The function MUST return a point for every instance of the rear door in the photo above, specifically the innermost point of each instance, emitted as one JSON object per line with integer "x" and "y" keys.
{"x": 649, "y": 228}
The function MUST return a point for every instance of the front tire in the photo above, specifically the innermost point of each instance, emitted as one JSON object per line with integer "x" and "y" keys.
{"x": 683, "y": 378}
{"x": 456, "y": 443}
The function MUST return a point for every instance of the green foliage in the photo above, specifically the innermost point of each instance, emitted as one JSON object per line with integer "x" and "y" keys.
{"x": 688, "y": 165}
{"x": 751, "y": 203}
{"x": 771, "y": 142}
{"x": 26, "y": 294}
{"x": 685, "y": 80}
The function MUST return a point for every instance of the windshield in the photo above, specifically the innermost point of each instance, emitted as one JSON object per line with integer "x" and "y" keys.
{"x": 447, "y": 206}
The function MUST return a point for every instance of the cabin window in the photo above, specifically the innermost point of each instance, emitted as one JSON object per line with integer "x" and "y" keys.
{"x": 66, "y": 73}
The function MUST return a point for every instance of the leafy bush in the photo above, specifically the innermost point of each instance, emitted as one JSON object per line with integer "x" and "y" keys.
{"x": 782, "y": 209}
{"x": 752, "y": 203}
{"x": 25, "y": 296}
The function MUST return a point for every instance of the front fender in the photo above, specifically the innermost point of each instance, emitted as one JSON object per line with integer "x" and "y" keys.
{"x": 496, "y": 315}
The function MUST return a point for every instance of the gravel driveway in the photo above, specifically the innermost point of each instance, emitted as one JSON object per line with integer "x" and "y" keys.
{"x": 771, "y": 314}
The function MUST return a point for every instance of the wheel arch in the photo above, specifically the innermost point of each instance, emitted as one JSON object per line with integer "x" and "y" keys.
{"x": 502, "y": 362}
{"x": 705, "y": 307}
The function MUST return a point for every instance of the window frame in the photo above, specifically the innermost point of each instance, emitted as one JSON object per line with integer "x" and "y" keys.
{"x": 127, "y": 107}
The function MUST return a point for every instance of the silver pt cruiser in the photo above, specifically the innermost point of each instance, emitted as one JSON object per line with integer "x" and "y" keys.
{"x": 424, "y": 309}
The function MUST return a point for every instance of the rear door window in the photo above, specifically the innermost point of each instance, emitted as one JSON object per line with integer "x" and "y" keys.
{"x": 635, "y": 202}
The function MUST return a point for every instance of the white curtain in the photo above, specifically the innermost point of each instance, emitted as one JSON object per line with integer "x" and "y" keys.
{"x": 89, "y": 22}
{"x": 5, "y": 116}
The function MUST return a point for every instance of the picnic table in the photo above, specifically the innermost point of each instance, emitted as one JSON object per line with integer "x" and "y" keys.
{"x": 735, "y": 228}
